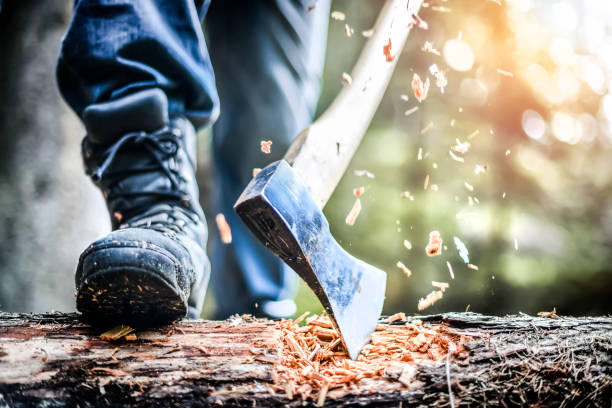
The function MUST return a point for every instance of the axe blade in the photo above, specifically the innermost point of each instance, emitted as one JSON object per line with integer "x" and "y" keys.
{"x": 278, "y": 209}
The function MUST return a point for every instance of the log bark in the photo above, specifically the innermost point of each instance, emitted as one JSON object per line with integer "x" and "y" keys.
{"x": 54, "y": 360}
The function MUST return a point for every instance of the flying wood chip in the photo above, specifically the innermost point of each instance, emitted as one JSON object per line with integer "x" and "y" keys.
{"x": 434, "y": 247}
{"x": 387, "y": 51}
{"x": 224, "y": 229}
{"x": 354, "y": 213}
{"x": 419, "y": 87}
{"x": 265, "y": 146}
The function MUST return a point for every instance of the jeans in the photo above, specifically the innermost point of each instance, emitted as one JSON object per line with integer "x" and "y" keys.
{"x": 268, "y": 58}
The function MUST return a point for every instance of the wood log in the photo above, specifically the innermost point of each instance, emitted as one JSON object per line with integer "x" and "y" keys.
{"x": 55, "y": 360}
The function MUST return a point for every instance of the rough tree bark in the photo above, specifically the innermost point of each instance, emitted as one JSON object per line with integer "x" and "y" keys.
{"x": 53, "y": 360}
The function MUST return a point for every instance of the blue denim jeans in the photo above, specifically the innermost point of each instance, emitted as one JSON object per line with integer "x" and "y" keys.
{"x": 268, "y": 58}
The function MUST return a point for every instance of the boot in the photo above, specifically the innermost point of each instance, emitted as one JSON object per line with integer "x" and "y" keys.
{"x": 152, "y": 269}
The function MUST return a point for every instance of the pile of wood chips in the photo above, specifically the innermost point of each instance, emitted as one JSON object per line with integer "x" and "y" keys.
{"x": 314, "y": 363}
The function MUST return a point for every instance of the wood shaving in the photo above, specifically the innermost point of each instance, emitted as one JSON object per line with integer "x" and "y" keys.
{"x": 411, "y": 111}
{"x": 338, "y": 15}
{"x": 428, "y": 47}
{"x": 387, "y": 51}
{"x": 116, "y": 332}
{"x": 427, "y": 128}
{"x": 434, "y": 247}
{"x": 224, "y": 229}
{"x": 314, "y": 365}
{"x": 551, "y": 315}
{"x": 461, "y": 147}
{"x": 455, "y": 157}
{"x": 354, "y": 213}
{"x": 450, "y": 270}
{"x": 358, "y": 192}
{"x": 361, "y": 173}
{"x": 441, "y": 285}
{"x": 346, "y": 78}
{"x": 441, "y": 80}
{"x": 480, "y": 169}
{"x": 401, "y": 316}
{"x": 426, "y": 183}
{"x": 505, "y": 73}
{"x": 265, "y": 146}
{"x": 422, "y": 24}
{"x": 429, "y": 300}
{"x": 420, "y": 88}
{"x": 441, "y": 9}
{"x": 404, "y": 269}
{"x": 348, "y": 30}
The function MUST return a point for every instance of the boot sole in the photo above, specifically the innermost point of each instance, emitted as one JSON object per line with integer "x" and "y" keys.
{"x": 132, "y": 295}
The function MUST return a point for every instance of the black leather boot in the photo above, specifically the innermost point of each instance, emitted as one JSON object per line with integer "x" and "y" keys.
{"x": 152, "y": 269}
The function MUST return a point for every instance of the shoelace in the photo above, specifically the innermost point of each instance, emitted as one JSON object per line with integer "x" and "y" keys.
{"x": 163, "y": 218}
{"x": 162, "y": 145}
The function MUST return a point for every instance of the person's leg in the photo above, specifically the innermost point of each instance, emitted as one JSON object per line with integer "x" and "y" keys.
{"x": 116, "y": 48}
{"x": 138, "y": 74}
{"x": 268, "y": 58}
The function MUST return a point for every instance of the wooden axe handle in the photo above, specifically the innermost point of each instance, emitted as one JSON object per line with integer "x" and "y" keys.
{"x": 321, "y": 153}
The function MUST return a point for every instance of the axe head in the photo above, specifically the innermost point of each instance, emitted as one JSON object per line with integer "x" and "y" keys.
{"x": 278, "y": 209}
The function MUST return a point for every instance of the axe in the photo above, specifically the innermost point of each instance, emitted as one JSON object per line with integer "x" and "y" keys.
{"x": 282, "y": 205}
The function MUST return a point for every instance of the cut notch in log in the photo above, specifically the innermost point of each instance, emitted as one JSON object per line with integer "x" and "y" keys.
{"x": 53, "y": 359}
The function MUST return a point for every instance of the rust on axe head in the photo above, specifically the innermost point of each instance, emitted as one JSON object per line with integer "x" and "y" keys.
{"x": 278, "y": 209}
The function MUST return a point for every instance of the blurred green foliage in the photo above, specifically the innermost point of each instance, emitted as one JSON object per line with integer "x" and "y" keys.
{"x": 551, "y": 197}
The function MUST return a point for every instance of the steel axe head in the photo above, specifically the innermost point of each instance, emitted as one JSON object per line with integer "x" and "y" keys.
{"x": 278, "y": 209}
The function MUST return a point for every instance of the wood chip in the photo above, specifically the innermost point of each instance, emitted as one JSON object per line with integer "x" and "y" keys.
{"x": 348, "y": 30}
{"x": 401, "y": 316}
{"x": 420, "y": 88}
{"x": 441, "y": 285}
{"x": 450, "y": 270}
{"x": 358, "y": 192}
{"x": 434, "y": 246}
{"x": 224, "y": 229}
{"x": 338, "y": 15}
{"x": 505, "y": 73}
{"x": 455, "y": 157}
{"x": 429, "y": 300}
{"x": 551, "y": 315}
{"x": 354, "y": 213}
{"x": 116, "y": 332}
{"x": 387, "y": 51}
{"x": 346, "y": 78}
{"x": 404, "y": 269}
{"x": 411, "y": 111}
{"x": 266, "y": 146}
{"x": 427, "y": 128}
